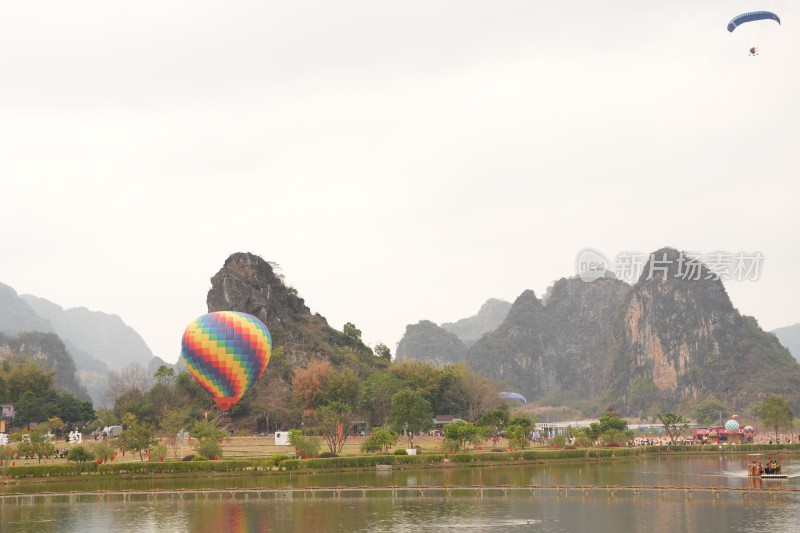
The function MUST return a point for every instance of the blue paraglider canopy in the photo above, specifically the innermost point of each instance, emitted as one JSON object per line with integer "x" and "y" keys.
{"x": 513, "y": 396}
{"x": 750, "y": 17}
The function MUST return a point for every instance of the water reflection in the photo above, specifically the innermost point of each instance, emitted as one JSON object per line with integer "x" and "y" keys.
{"x": 547, "y": 511}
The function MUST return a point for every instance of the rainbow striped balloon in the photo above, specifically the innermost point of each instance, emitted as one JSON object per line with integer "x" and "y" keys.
{"x": 226, "y": 352}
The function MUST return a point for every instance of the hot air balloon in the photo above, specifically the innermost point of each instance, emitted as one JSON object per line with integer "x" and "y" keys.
{"x": 226, "y": 352}
{"x": 512, "y": 396}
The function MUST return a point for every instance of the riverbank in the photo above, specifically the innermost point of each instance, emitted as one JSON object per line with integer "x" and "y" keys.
{"x": 13, "y": 475}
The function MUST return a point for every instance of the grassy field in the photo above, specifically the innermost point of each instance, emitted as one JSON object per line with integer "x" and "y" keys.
{"x": 254, "y": 447}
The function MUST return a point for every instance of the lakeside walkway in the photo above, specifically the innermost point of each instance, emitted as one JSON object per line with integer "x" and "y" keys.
{"x": 421, "y": 491}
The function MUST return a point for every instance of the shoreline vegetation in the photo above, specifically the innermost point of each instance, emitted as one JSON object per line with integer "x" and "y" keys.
{"x": 12, "y": 475}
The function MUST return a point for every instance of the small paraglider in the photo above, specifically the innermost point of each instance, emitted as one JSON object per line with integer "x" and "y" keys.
{"x": 226, "y": 352}
{"x": 512, "y": 396}
{"x": 747, "y": 18}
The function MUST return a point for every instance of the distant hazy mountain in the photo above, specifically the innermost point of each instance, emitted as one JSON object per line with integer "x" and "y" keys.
{"x": 428, "y": 342}
{"x": 469, "y": 330}
{"x": 789, "y": 337}
{"x": 16, "y": 316}
{"x": 100, "y": 335}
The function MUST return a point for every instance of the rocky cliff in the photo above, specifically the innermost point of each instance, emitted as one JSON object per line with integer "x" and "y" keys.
{"x": 489, "y": 316}
{"x": 47, "y": 350}
{"x": 561, "y": 346}
{"x": 248, "y": 284}
{"x": 425, "y": 340}
{"x": 675, "y": 335}
{"x": 685, "y": 336}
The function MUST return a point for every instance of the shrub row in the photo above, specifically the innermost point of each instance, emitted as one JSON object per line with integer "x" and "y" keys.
{"x": 177, "y": 467}
{"x": 56, "y": 470}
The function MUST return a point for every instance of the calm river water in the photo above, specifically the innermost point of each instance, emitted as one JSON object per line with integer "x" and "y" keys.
{"x": 462, "y": 510}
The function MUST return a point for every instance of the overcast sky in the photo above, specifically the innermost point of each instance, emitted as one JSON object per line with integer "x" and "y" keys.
{"x": 399, "y": 160}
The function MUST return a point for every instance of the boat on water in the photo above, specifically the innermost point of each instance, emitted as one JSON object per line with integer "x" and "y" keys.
{"x": 770, "y": 470}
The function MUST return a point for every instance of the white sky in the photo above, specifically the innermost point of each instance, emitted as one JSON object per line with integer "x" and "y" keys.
{"x": 399, "y": 160}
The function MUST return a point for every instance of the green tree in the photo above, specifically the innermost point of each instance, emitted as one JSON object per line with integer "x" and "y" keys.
{"x": 208, "y": 448}
{"x": 710, "y": 409}
{"x": 517, "y": 436}
{"x": 138, "y": 437}
{"x": 382, "y": 351}
{"x": 375, "y": 396}
{"x": 57, "y": 426}
{"x": 80, "y": 455}
{"x": 352, "y": 333}
{"x": 101, "y": 450}
{"x": 340, "y": 386}
{"x": 379, "y": 440}
{"x": 461, "y": 433}
{"x": 334, "y": 419}
{"x": 35, "y": 443}
{"x": 523, "y": 421}
{"x": 164, "y": 374}
{"x": 611, "y": 420}
{"x": 674, "y": 425}
{"x": 497, "y": 419}
{"x": 29, "y": 408}
{"x": 172, "y": 422}
{"x": 74, "y": 411}
{"x": 28, "y": 376}
{"x": 304, "y": 445}
{"x": 410, "y": 413}
{"x": 616, "y": 436}
{"x": 776, "y": 414}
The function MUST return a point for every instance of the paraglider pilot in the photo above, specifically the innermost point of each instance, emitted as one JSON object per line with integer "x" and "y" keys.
{"x": 753, "y": 51}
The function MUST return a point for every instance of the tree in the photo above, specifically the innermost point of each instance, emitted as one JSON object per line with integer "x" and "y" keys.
{"x": 29, "y": 408}
{"x": 138, "y": 437}
{"x": 57, "y": 425}
{"x": 34, "y": 443}
{"x": 334, "y": 419}
{"x": 352, "y": 333}
{"x": 304, "y": 445}
{"x": 379, "y": 440}
{"x": 674, "y": 425}
{"x": 340, "y": 386}
{"x": 376, "y": 394}
{"x": 776, "y": 414}
{"x": 165, "y": 374}
{"x": 309, "y": 382}
{"x": 131, "y": 378}
{"x": 497, "y": 419}
{"x": 472, "y": 394}
{"x": 461, "y": 433}
{"x": 80, "y": 455}
{"x": 517, "y": 436}
{"x": 410, "y": 413}
{"x": 271, "y": 400}
{"x": 382, "y": 351}
{"x": 710, "y": 409}
{"x": 28, "y": 376}
{"x": 611, "y": 420}
{"x": 172, "y": 421}
{"x": 523, "y": 421}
